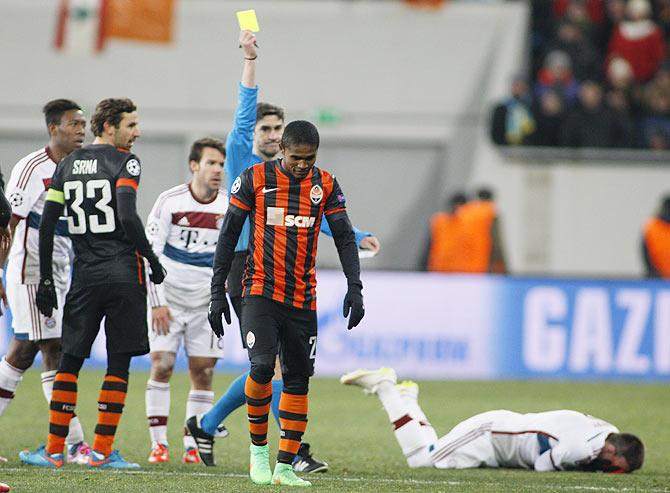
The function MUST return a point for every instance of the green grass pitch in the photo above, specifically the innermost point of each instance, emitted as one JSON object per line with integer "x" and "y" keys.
{"x": 347, "y": 429}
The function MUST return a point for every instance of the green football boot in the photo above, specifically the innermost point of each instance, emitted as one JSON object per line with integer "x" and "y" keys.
{"x": 259, "y": 464}
{"x": 285, "y": 476}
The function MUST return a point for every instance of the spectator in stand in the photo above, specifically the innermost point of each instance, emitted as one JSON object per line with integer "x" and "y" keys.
{"x": 442, "y": 246}
{"x": 512, "y": 122}
{"x": 549, "y": 114}
{"x": 656, "y": 242}
{"x": 585, "y": 58}
{"x": 663, "y": 16}
{"x": 556, "y": 74}
{"x": 623, "y": 98}
{"x": 655, "y": 127}
{"x": 639, "y": 40}
{"x": 591, "y": 124}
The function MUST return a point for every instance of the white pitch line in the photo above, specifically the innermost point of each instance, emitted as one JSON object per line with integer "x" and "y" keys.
{"x": 330, "y": 478}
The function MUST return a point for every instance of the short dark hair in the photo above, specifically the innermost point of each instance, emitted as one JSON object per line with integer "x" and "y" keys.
{"x": 265, "y": 109}
{"x": 485, "y": 193}
{"x": 53, "y": 110}
{"x": 630, "y": 447}
{"x": 196, "y": 148}
{"x": 300, "y": 132}
{"x": 110, "y": 110}
{"x": 455, "y": 200}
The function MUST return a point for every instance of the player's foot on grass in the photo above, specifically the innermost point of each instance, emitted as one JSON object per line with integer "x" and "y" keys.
{"x": 112, "y": 461}
{"x": 40, "y": 458}
{"x": 407, "y": 388}
{"x": 3, "y": 459}
{"x": 285, "y": 476}
{"x": 259, "y": 464}
{"x": 221, "y": 432}
{"x": 191, "y": 456}
{"x": 305, "y": 462}
{"x": 369, "y": 380}
{"x": 78, "y": 453}
{"x": 159, "y": 454}
{"x": 203, "y": 440}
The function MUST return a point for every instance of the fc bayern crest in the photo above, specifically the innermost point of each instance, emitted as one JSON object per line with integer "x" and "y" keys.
{"x": 316, "y": 194}
{"x": 133, "y": 167}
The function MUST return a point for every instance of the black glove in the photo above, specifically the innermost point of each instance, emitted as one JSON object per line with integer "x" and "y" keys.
{"x": 46, "y": 297}
{"x": 353, "y": 301}
{"x": 218, "y": 307}
{"x": 158, "y": 272}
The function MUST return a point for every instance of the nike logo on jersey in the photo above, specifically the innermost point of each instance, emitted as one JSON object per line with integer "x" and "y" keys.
{"x": 268, "y": 190}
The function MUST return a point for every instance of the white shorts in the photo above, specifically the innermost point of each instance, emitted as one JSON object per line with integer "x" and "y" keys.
{"x": 467, "y": 445}
{"x": 191, "y": 328}
{"x": 27, "y": 322}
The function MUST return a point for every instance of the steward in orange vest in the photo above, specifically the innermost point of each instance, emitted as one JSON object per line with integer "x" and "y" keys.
{"x": 656, "y": 243}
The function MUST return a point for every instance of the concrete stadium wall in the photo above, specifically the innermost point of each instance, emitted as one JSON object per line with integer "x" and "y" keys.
{"x": 413, "y": 91}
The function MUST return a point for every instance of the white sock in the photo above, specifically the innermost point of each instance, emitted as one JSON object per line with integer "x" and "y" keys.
{"x": 198, "y": 402}
{"x": 407, "y": 429}
{"x": 157, "y": 399}
{"x": 9, "y": 380}
{"x": 76, "y": 433}
{"x": 417, "y": 413}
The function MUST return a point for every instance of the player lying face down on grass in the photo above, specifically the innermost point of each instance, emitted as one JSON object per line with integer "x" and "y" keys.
{"x": 285, "y": 201}
{"x": 562, "y": 440}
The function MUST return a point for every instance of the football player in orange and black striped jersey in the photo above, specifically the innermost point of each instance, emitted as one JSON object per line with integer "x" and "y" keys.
{"x": 285, "y": 201}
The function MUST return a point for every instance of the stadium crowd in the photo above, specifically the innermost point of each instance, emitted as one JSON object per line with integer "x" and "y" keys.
{"x": 600, "y": 77}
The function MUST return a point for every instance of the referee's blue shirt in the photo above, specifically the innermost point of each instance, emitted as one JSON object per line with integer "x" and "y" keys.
{"x": 240, "y": 156}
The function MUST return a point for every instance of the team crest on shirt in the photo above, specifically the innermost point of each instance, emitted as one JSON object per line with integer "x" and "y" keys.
{"x": 153, "y": 228}
{"x": 133, "y": 167}
{"x": 251, "y": 339}
{"x": 316, "y": 194}
{"x": 50, "y": 322}
{"x": 236, "y": 185}
{"x": 16, "y": 199}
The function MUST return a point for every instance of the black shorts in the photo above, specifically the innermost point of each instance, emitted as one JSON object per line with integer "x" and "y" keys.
{"x": 124, "y": 306}
{"x": 270, "y": 327}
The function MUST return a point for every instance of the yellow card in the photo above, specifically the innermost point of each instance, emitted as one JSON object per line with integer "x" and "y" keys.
{"x": 248, "y": 21}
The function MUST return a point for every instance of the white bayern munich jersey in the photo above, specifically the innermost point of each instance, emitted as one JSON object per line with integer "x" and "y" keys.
{"x": 26, "y": 191}
{"x": 183, "y": 232}
{"x": 553, "y": 440}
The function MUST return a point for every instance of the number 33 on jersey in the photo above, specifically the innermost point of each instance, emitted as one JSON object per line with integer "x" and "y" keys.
{"x": 86, "y": 183}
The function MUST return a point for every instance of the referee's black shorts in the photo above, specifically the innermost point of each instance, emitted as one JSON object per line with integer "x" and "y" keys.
{"x": 270, "y": 327}
{"x": 124, "y": 307}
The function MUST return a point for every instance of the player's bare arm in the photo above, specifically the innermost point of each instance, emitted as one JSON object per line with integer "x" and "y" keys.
{"x": 248, "y": 45}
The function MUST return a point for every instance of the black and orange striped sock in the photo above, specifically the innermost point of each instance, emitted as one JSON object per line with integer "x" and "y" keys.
{"x": 61, "y": 410}
{"x": 293, "y": 422}
{"x": 110, "y": 406}
{"x": 258, "y": 396}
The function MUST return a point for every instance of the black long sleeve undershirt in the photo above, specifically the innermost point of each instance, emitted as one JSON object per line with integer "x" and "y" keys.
{"x": 225, "y": 249}
{"x": 345, "y": 242}
{"x": 126, "y": 202}
{"x": 50, "y": 215}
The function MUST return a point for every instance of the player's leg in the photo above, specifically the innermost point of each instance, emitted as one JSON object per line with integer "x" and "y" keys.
{"x": 19, "y": 358}
{"x": 157, "y": 397}
{"x": 199, "y": 401}
{"x": 125, "y": 309}
{"x": 297, "y": 353}
{"x": 409, "y": 392}
{"x": 260, "y": 326}
{"x": 164, "y": 348}
{"x": 77, "y": 449}
{"x": 81, "y": 322}
{"x": 23, "y": 346}
{"x": 407, "y": 429}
